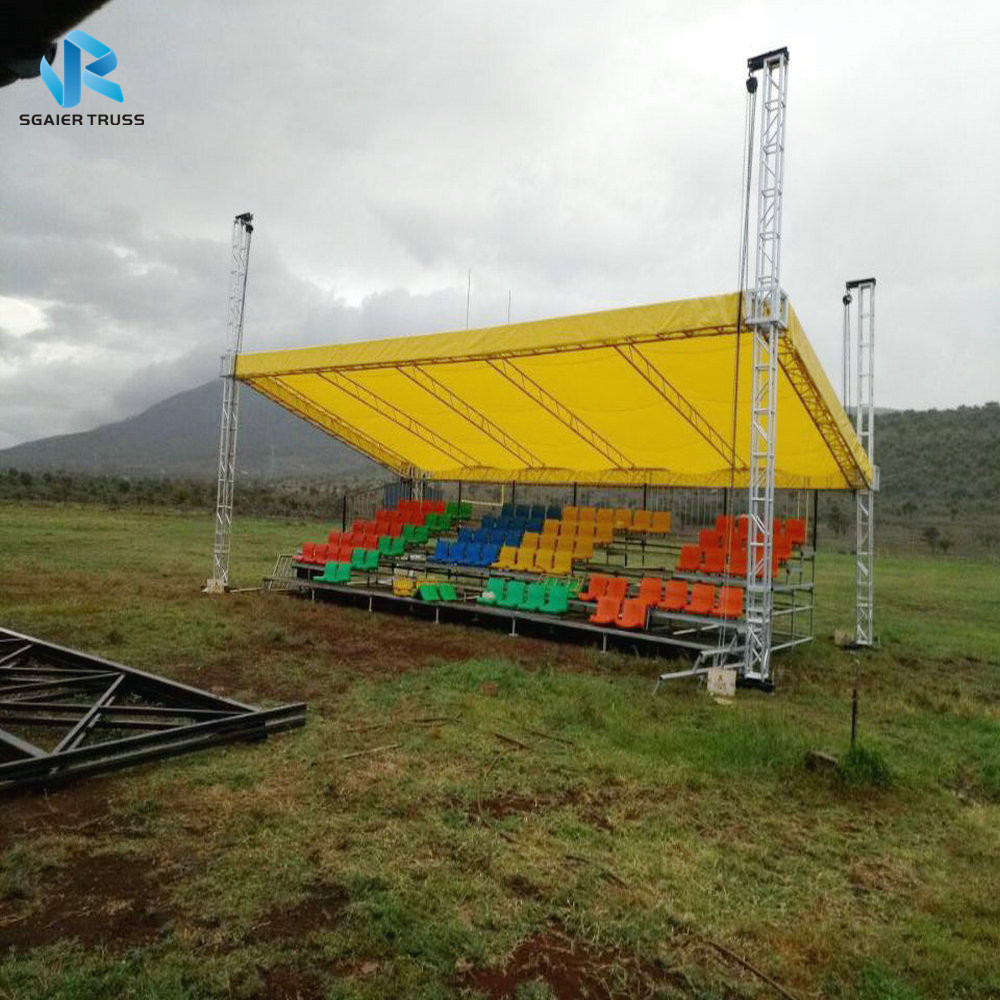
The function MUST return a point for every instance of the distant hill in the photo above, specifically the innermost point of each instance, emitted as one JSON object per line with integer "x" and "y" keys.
{"x": 180, "y": 437}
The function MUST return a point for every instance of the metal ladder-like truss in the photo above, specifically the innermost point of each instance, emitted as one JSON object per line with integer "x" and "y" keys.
{"x": 64, "y": 713}
{"x": 767, "y": 314}
{"x": 229, "y": 425}
{"x": 862, "y": 293}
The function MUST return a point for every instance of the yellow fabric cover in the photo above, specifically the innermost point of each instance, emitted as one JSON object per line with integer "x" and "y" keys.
{"x": 624, "y": 397}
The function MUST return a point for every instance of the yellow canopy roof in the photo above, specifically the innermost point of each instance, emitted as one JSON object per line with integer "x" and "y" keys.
{"x": 619, "y": 398}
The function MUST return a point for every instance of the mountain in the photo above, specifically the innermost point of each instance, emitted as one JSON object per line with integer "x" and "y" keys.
{"x": 180, "y": 437}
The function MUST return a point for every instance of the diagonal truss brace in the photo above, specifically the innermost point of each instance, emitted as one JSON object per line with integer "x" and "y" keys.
{"x": 479, "y": 420}
{"x": 399, "y": 417}
{"x": 680, "y": 403}
{"x": 565, "y": 416}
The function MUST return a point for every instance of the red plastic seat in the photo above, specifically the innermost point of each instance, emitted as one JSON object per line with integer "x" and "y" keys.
{"x": 690, "y": 559}
{"x": 370, "y": 542}
{"x": 597, "y": 587}
{"x": 702, "y": 599}
{"x": 633, "y": 613}
{"x": 607, "y": 611}
{"x": 344, "y": 551}
{"x": 795, "y": 527}
{"x": 737, "y": 565}
{"x": 333, "y": 538}
{"x": 358, "y": 525}
{"x": 305, "y": 553}
{"x": 675, "y": 595}
{"x": 713, "y": 562}
{"x": 650, "y": 589}
{"x": 709, "y": 538}
{"x": 617, "y": 588}
{"x": 728, "y": 603}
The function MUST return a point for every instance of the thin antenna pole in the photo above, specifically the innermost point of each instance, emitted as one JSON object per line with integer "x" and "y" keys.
{"x": 468, "y": 299}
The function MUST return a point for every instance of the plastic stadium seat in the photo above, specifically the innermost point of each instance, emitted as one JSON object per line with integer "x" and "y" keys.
{"x": 709, "y": 538}
{"x": 404, "y": 586}
{"x": 538, "y": 511}
{"x": 617, "y": 588}
{"x": 359, "y": 558}
{"x": 597, "y": 587}
{"x": 507, "y": 510}
{"x": 333, "y": 538}
{"x": 623, "y": 519}
{"x": 451, "y": 507}
{"x": 493, "y": 591}
{"x": 489, "y": 554}
{"x": 586, "y": 514}
{"x": 329, "y": 574}
{"x": 660, "y": 523}
{"x": 607, "y": 611}
{"x": 513, "y": 536}
{"x": 385, "y": 544}
{"x": 459, "y": 552}
{"x": 701, "y": 600}
{"x": 447, "y": 592}
{"x": 556, "y": 600}
{"x": 562, "y": 563}
{"x": 345, "y": 552}
{"x": 305, "y": 553}
{"x": 689, "y": 560}
{"x": 534, "y": 598}
{"x": 554, "y": 510}
{"x": 642, "y": 520}
{"x": 650, "y": 589}
{"x": 409, "y": 533}
{"x": 356, "y": 539}
{"x": 398, "y": 547}
{"x": 513, "y": 595}
{"x": 319, "y": 554}
{"x": 442, "y": 551}
{"x": 729, "y": 603}
{"x": 633, "y": 614}
{"x": 564, "y": 543}
{"x": 675, "y": 596}
{"x": 737, "y": 565}
{"x": 523, "y": 511}
{"x": 371, "y": 559}
{"x": 507, "y": 558}
{"x": 429, "y": 592}
{"x": 604, "y": 534}
{"x": 724, "y": 523}
{"x": 782, "y": 546}
{"x": 586, "y": 529}
{"x": 584, "y": 548}
{"x": 358, "y": 525}
{"x": 530, "y": 540}
{"x": 606, "y": 514}
{"x": 570, "y": 513}
{"x": 713, "y": 562}
{"x": 394, "y": 528}
{"x": 467, "y": 535}
{"x": 796, "y": 530}
{"x": 543, "y": 560}
{"x": 568, "y": 528}
{"x": 525, "y": 560}
{"x": 370, "y": 542}
{"x": 550, "y": 526}
{"x": 465, "y": 510}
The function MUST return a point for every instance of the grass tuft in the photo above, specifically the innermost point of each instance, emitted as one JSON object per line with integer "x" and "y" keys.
{"x": 865, "y": 766}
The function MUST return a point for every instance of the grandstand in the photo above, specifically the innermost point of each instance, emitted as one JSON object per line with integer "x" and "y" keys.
{"x": 581, "y": 477}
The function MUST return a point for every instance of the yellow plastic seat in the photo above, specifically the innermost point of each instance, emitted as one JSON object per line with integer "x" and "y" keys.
{"x": 508, "y": 558}
{"x": 660, "y": 524}
{"x": 562, "y": 564}
{"x": 525, "y": 561}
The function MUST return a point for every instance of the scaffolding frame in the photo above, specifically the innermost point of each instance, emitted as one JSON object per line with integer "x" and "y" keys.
{"x": 767, "y": 318}
{"x": 229, "y": 423}
{"x": 861, "y": 293}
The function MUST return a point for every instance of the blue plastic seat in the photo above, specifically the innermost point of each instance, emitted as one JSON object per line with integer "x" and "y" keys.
{"x": 489, "y": 521}
{"x": 507, "y": 510}
{"x": 554, "y": 511}
{"x": 535, "y": 524}
{"x": 459, "y": 552}
{"x": 538, "y": 510}
{"x": 442, "y": 551}
{"x": 513, "y": 537}
{"x": 466, "y": 535}
{"x": 490, "y": 554}
{"x": 523, "y": 511}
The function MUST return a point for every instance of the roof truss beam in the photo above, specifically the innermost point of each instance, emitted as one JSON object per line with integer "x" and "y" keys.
{"x": 652, "y": 375}
{"x": 399, "y": 417}
{"x": 479, "y": 420}
{"x": 535, "y": 392}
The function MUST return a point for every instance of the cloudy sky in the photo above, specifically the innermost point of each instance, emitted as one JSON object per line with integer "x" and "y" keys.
{"x": 581, "y": 155}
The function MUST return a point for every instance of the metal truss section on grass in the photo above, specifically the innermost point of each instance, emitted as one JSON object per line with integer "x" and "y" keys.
{"x": 64, "y": 714}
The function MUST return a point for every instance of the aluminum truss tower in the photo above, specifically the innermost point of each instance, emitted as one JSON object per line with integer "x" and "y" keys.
{"x": 766, "y": 310}
{"x": 862, "y": 292}
{"x": 242, "y": 231}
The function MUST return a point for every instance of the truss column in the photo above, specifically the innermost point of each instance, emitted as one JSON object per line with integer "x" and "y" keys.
{"x": 229, "y": 424}
{"x": 863, "y": 292}
{"x": 767, "y": 311}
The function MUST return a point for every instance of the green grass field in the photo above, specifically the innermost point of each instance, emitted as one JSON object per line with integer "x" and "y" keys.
{"x": 607, "y": 843}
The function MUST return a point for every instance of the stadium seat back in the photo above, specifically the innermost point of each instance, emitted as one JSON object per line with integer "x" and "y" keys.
{"x": 596, "y": 588}
{"x": 607, "y": 611}
{"x": 702, "y": 599}
{"x": 729, "y": 603}
{"x": 623, "y": 519}
{"x": 651, "y": 589}
{"x": 675, "y": 595}
{"x": 617, "y": 588}
{"x": 632, "y": 614}
{"x": 690, "y": 559}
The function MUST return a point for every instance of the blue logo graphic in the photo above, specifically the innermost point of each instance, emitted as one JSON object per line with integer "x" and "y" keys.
{"x": 67, "y": 92}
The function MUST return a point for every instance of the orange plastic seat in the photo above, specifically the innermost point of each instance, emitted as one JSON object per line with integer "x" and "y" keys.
{"x": 728, "y": 603}
{"x": 607, "y": 611}
{"x": 713, "y": 562}
{"x": 305, "y": 553}
{"x": 650, "y": 589}
{"x": 617, "y": 588}
{"x": 782, "y": 547}
{"x": 604, "y": 533}
{"x": 689, "y": 560}
{"x": 675, "y": 596}
{"x": 623, "y": 519}
{"x": 737, "y": 565}
{"x": 702, "y": 599}
{"x": 633, "y": 614}
{"x": 642, "y": 520}
{"x": 597, "y": 586}
{"x": 795, "y": 527}
{"x": 709, "y": 538}
{"x": 660, "y": 523}
{"x": 724, "y": 523}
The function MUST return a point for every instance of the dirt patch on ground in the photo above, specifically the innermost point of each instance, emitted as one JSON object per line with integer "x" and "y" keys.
{"x": 83, "y": 807}
{"x": 590, "y": 807}
{"x": 572, "y": 970}
{"x": 98, "y": 899}
{"x": 323, "y": 907}
{"x": 287, "y": 982}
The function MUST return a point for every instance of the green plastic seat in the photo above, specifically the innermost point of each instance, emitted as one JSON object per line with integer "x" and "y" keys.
{"x": 535, "y": 597}
{"x": 452, "y": 508}
{"x": 397, "y": 546}
{"x": 556, "y": 601}
{"x": 420, "y": 535}
{"x": 493, "y": 591}
{"x": 513, "y": 595}
{"x": 408, "y": 532}
{"x": 385, "y": 544}
{"x": 447, "y": 592}
{"x": 344, "y": 572}
{"x": 329, "y": 574}
{"x": 465, "y": 510}
{"x": 359, "y": 557}
{"x": 371, "y": 559}
{"x": 429, "y": 592}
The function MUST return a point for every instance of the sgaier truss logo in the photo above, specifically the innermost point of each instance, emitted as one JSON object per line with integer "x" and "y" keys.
{"x": 67, "y": 91}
